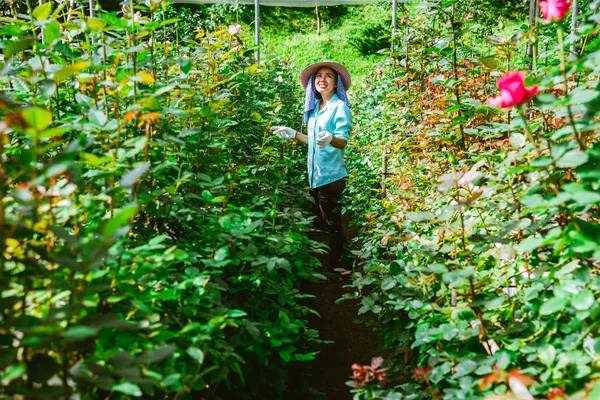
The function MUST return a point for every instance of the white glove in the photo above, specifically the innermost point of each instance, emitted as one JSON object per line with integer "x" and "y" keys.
{"x": 284, "y": 132}
{"x": 324, "y": 138}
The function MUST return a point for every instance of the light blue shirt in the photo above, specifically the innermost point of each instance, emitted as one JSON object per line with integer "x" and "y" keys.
{"x": 326, "y": 165}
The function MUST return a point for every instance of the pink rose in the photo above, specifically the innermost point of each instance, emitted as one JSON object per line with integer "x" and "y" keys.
{"x": 365, "y": 374}
{"x": 554, "y": 10}
{"x": 403, "y": 21}
{"x": 379, "y": 70}
{"x": 470, "y": 16}
{"x": 512, "y": 90}
{"x": 235, "y": 29}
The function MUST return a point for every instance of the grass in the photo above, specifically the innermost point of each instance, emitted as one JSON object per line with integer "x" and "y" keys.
{"x": 303, "y": 46}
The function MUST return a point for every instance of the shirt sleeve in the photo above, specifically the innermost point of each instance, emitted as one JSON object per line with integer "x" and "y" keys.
{"x": 342, "y": 122}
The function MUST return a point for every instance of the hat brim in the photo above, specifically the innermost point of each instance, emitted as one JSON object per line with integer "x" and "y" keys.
{"x": 313, "y": 68}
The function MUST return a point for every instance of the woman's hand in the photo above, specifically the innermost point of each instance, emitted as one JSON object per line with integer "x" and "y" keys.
{"x": 284, "y": 132}
{"x": 324, "y": 138}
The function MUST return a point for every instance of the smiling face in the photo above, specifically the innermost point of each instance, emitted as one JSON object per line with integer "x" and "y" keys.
{"x": 326, "y": 82}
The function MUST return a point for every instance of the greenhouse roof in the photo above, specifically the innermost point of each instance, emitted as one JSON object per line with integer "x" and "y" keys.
{"x": 286, "y": 3}
{"x": 292, "y": 3}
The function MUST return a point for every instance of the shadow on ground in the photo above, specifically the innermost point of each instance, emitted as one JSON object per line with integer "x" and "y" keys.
{"x": 352, "y": 342}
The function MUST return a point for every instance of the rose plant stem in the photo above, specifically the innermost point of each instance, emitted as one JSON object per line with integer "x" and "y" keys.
{"x": 528, "y": 131}
{"x": 563, "y": 71}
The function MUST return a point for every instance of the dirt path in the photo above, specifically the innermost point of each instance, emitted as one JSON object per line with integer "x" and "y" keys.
{"x": 353, "y": 343}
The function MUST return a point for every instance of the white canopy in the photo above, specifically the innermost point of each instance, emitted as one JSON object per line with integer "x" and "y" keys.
{"x": 284, "y": 3}
{"x": 290, "y": 3}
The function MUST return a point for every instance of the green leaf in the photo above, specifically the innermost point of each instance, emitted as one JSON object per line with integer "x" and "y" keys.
{"x": 285, "y": 356}
{"x": 196, "y": 354}
{"x": 583, "y": 300}
{"x": 170, "y": 21}
{"x": 46, "y": 88}
{"x": 185, "y": 65}
{"x": 51, "y": 32}
{"x": 70, "y": 70}
{"x": 120, "y": 220}
{"x": 37, "y": 118}
{"x": 15, "y": 46}
{"x": 97, "y": 117}
{"x": 236, "y": 313}
{"x": 573, "y": 158}
{"x": 420, "y": 216}
{"x": 78, "y": 333}
{"x": 156, "y": 354}
{"x": 584, "y": 96}
{"x": 529, "y": 244}
{"x": 128, "y": 388}
{"x": 553, "y": 305}
{"x": 388, "y": 283}
{"x": 595, "y": 393}
{"x": 13, "y": 372}
{"x": 129, "y": 179}
{"x": 494, "y": 302}
{"x": 42, "y": 11}
{"x": 435, "y": 268}
{"x": 465, "y": 368}
{"x": 306, "y": 357}
{"x": 547, "y": 355}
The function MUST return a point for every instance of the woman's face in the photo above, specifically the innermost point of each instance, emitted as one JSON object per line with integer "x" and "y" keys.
{"x": 325, "y": 81}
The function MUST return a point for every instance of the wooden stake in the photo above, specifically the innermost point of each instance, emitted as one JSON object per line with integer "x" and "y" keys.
{"x": 384, "y": 169}
{"x": 318, "y": 20}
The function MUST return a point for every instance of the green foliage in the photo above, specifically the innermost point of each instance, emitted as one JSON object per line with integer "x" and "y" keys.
{"x": 152, "y": 235}
{"x": 334, "y": 42}
{"x": 480, "y": 260}
{"x": 371, "y": 38}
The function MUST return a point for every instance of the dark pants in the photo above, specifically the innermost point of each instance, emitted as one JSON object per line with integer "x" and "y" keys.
{"x": 329, "y": 217}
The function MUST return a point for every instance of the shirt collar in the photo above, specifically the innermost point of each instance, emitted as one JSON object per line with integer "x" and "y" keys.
{"x": 330, "y": 104}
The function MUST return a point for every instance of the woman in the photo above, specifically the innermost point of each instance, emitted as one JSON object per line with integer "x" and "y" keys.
{"x": 327, "y": 112}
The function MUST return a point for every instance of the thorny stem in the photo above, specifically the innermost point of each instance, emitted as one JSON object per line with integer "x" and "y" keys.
{"x": 463, "y": 139}
{"x": 2, "y": 213}
{"x": 563, "y": 71}
{"x": 528, "y": 131}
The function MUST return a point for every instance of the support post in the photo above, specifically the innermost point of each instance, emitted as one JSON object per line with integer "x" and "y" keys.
{"x": 394, "y": 15}
{"x": 257, "y": 28}
{"x": 384, "y": 169}
{"x": 318, "y": 20}
{"x": 533, "y": 5}
{"x": 92, "y": 8}
{"x": 574, "y": 12}
{"x": 394, "y": 21}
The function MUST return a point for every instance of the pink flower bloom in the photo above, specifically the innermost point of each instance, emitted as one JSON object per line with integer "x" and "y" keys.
{"x": 137, "y": 16}
{"x": 512, "y": 90}
{"x": 470, "y": 16}
{"x": 403, "y": 21}
{"x": 365, "y": 374}
{"x": 379, "y": 70}
{"x": 554, "y": 10}
{"x": 235, "y": 29}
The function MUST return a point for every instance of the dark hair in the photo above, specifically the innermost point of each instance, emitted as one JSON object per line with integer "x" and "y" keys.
{"x": 335, "y": 74}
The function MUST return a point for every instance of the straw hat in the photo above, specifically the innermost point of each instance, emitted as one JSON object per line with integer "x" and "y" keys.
{"x": 313, "y": 68}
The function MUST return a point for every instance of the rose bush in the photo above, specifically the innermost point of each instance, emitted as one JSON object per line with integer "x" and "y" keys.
{"x": 480, "y": 260}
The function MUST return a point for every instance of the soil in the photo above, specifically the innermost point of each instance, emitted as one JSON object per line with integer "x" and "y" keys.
{"x": 351, "y": 342}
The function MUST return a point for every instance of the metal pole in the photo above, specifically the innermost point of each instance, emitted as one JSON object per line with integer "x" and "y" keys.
{"x": 574, "y": 12}
{"x": 394, "y": 22}
{"x": 394, "y": 13}
{"x": 533, "y": 5}
{"x": 257, "y": 28}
